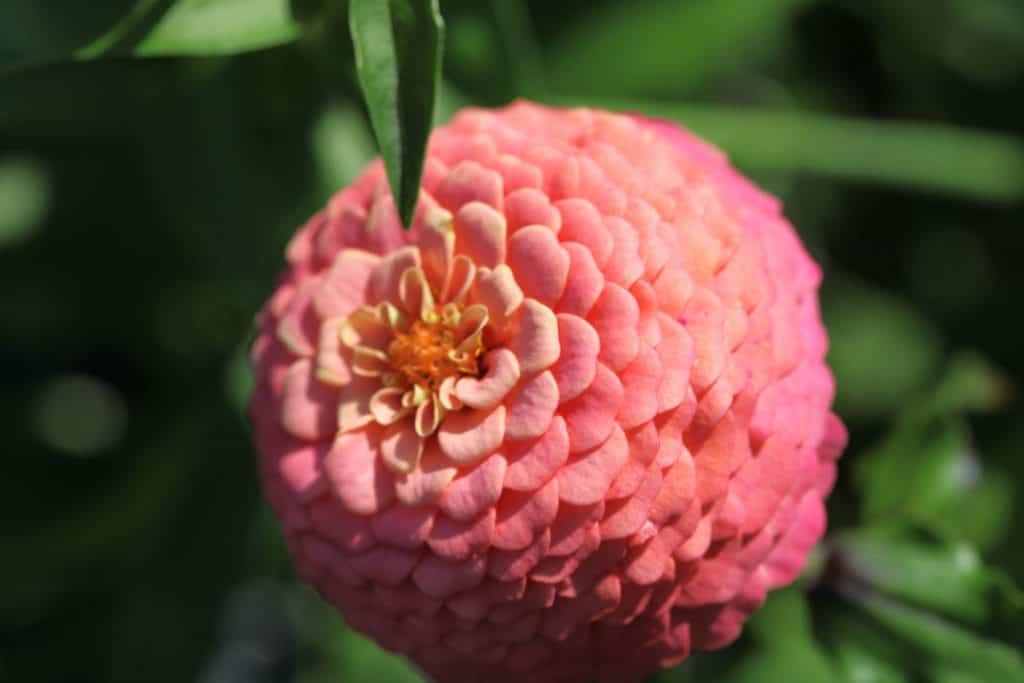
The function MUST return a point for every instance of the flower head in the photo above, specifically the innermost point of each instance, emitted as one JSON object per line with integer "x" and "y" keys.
{"x": 574, "y": 423}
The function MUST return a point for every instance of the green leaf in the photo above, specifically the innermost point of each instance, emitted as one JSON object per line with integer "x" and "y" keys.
{"x": 398, "y": 48}
{"x": 784, "y": 645}
{"x": 197, "y": 28}
{"x": 920, "y": 156}
{"x": 861, "y": 653}
{"x": 342, "y": 146}
{"x": 24, "y": 199}
{"x": 941, "y": 645}
{"x": 882, "y": 350}
{"x": 663, "y": 45}
{"x": 946, "y": 577}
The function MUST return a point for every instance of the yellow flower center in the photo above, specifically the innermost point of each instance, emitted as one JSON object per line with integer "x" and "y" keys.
{"x": 428, "y": 353}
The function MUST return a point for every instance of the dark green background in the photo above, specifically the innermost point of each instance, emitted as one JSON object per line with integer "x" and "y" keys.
{"x": 145, "y": 203}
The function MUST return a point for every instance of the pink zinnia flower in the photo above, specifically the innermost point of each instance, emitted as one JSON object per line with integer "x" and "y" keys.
{"x": 574, "y": 423}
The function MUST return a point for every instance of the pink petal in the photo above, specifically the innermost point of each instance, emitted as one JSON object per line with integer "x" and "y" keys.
{"x": 307, "y": 405}
{"x": 572, "y": 525}
{"x": 440, "y": 578}
{"x": 403, "y": 527}
{"x": 535, "y": 339}
{"x": 521, "y": 516}
{"x": 357, "y": 475}
{"x": 469, "y": 494}
{"x": 676, "y": 352}
{"x": 624, "y": 266}
{"x": 299, "y": 326}
{"x": 344, "y": 286}
{"x": 539, "y": 262}
{"x": 586, "y": 478}
{"x": 531, "y": 407}
{"x": 437, "y": 248}
{"x": 383, "y": 564}
{"x": 301, "y": 471}
{"x": 467, "y": 182}
{"x": 350, "y": 533}
{"x": 386, "y": 405}
{"x": 677, "y": 491}
{"x": 480, "y": 234}
{"x": 386, "y": 275}
{"x": 625, "y": 516}
{"x": 509, "y": 565}
{"x": 591, "y": 417}
{"x": 401, "y": 446}
{"x": 615, "y": 318}
{"x": 331, "y": 367}
{"x": 466, "y": 436}
{"x": 531, "y": 463}
{"x": 502, "y": 375}
{"x": 582, "y": 223}
{"x": 456, "y": 541}
{"x": 705, "y": 322}
{"x": 640, "y": 381}
{"x": 583, "y": 284}
{"x": 354, "y": 402}
{"x": 577, "y": 364}
{"x": 498, "y": 291}
{"x": 425, "y": 484}
{"x": 531, "y": 207}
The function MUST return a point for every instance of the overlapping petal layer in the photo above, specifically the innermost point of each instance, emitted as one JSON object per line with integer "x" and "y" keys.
{"x": 573, "y": 424}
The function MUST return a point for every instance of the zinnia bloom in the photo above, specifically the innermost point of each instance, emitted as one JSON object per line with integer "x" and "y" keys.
{"x": 573, "y": 424}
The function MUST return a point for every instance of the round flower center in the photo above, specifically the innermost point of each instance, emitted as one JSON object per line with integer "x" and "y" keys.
{"x": 429, "y": 352}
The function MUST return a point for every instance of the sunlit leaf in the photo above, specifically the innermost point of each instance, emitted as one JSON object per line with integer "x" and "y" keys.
{"x": 342, "y": 145}
{"x": 398, "y": 47}
{"x": 198, "y": 27}
{"x": 24, "y": 199}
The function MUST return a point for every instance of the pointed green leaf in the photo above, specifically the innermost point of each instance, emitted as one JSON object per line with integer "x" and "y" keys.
{"x": 948, "y": 578}
{"x": 398, "y": 47}
{"x": 941, "y": 645}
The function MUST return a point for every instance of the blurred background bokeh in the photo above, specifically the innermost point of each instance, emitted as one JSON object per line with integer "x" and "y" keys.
{"x": 150, "y": 178}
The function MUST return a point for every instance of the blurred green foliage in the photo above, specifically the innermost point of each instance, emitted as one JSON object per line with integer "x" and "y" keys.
{"x": 145, "y": 203}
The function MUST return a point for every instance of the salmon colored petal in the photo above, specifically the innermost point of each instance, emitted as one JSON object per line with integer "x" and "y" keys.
{"x": 307, "y": 405}
{"x": 480, "y": 234}
{"x": 498, "y": 291}
{"x": 577, "y": 363}
{"x": 466, "y": 436}
{"x": 531, "y": 407}
{"x": 468, "y": 182}
{"x": 437, "y": 247}
{"x": 401, "y": 447}
{"x": 427, "y": 483}
{"x": 354, "y": 403}
{"x": 403, "y": 527}
{"x": 539, "y": 262}
{"x": 528, "y": 206}
{"x": 587, "y": 476}
{"x": 441, "y": 578}
{"x": 624, "y": 265}
{"x": 386, "y": 275}
{"x": 386, "y": 406}
{"x": 533, "y": 462}
{"x": 640, "y": 381}
{"x": 584, "y": 283}
{"x": 502, "y": 374}
{"x": 615, "y": 317}
{"x": 535, "y": 338}
{"x": 509, "y": 565}
{"x": 299, "y": 326}
{"x": 474, "y": 491}
{"x": 331, "y": 367}
{"x": 357, "y": 474}
{"x": 344, "y": 287}
{"x": 455, "y": 540}
{"x": 349, "y": 532}
{"x": 582, "y": 223}
{"x": 521, "y": 516}
{"x": 591, "y": 416}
